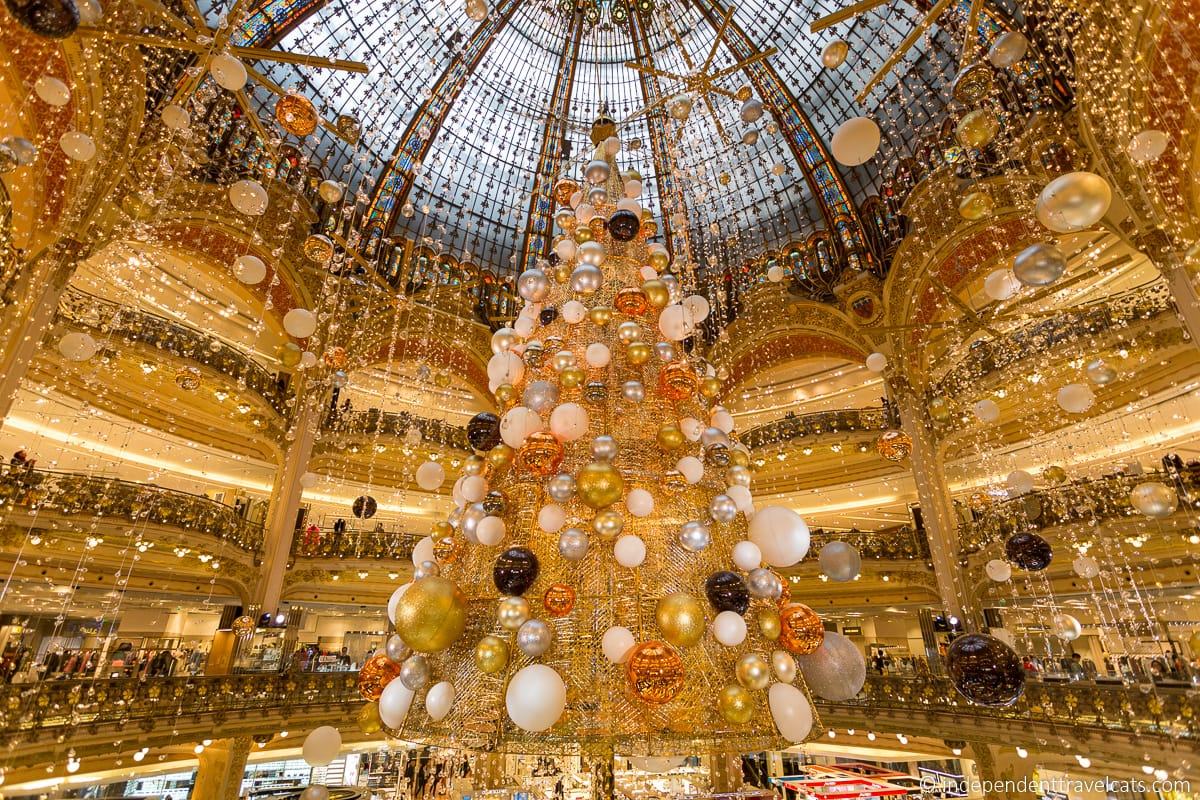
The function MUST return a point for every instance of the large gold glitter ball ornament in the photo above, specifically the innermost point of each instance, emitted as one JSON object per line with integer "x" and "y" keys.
{"x": 657, "y": 293}
{"x": 678, "y": 381}
{"x": 894, "y": 445}
{"x": 491, "y": 654}
{"x": 541, "y": 455}
{"x": 638, "y": 353}
{"x": 296, "y": 115}
{"x": 368, "y": 720}
{"x": 680, "y": 618}
{"x": 565, "y": 219}
{"x": 660, "y": 259}
{"x": 500, "y": 457}
{"x": 631, "y": 302}
{"x": 506, "y": 395}
{"x": 977, "y": 128}
{"x": 243, "y": 626}
{"x": 801, "y": 631}
{"x": 769, "y": 624}
{"x": 670, "y": 437}
{"x": 582, "y": 234}
{"x": 976, "y": 206}
{"x": 563, "y": 191}
{"x": 599, "y": 484}
{"x": 655, "y": 671}
{"x": 431, "y": 615}
{"x": 600, "y": 315}
{"x": 318, "y": 249}
{"x": 710, "y": 387}
{"x": 736, "y": 704}
{"x": 571, "y": 377}
{"x": 376, "y": 673}
{"x": 447, "y": 549}
{"x": 559, "y": 600}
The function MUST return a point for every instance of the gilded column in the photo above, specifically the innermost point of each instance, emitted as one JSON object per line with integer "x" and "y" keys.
{"x": 222, "y": 765}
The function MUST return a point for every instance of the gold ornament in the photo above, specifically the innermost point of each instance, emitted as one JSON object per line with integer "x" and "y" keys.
{"x": 670, "y": 437}
{"x": 979, "y": 500}
{"x": 680, "y": 617}
{"x": 736, "y": 704}
{"x": 571, "y": 377}
{"x": 648, "y": 230}
{"x": 768, "y": 623}
{"x": 559, "y": 600}
{"x": 710, "y": 387}
{"x": 597, "y": 224}
{"x": 562, "y": 272}
{"x": 336, "y": 357}
{"x": 894, "y": 445}
{"x": 296, "y": 114}
{"x": 512, "y": 612}
{"x": 318, "y": 249}
{"x": 474, "y": 465}
{"x": 243, "y": 626}
{"x": 431, "y": 615}
{"x": 638, "y": 353}
{"x": 977, "y": 128}
{"x": 753, "y": 671}
{"x": 564, "y": 218}
{"x": 377, "y": 673}
{"x": 976, "y": 206}
{"x": 724, "y": 178}
{"x": 677, "y": 381}
{"x": 368, "y": 720}
{"x": 657, "y": 293}
{"x": 563, "y": 191}
{"x": 655, "y": 671}
{"x": 660, "y": 260}
{"x": 1054, "y": 474}
{"x": 500, "y": 457}
{"x": 631, "y": 301}
{"x": 608, "y": 524}
{"x": 600, "y": 315}
{"x": 541, "y": 455}
{"x": 447, "y": 549}
{"x": 491, "y": 655}
{"x": 506, "y": 395}
{"x": 582, "y": 234}
{"x": 801, "y": 631}
{"x": 599, "y": 484}
{"x": 939, "y": 409}
{"x": 739, "y": 458}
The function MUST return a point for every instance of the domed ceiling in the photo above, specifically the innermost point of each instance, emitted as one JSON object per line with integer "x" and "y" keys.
{"x": 462, "y": 121}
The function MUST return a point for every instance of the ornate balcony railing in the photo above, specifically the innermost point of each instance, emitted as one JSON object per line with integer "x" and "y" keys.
{"x": 1083, "y": 501}
{"x": 899, "y": 543}
{"x": 987, "y": 357}
{"x": 804, "y": 426}
{"x": 350, "y": 544}
{"x": 390, "y": 423}
{"x": 133, "y": 325}
{"x": 66, "y": 705}
{"x": 84, "y": 495}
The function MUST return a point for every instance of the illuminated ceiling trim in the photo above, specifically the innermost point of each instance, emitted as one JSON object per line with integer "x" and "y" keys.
{"x": 268, "y": 23}
{"x": 536, "y": 241}
{"x": 396, "y": 182}
{"x": 664, "y": 161}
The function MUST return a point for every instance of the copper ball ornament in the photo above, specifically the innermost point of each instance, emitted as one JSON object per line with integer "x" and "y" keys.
{"x": 541, "y": 455}
{"x": 559, "y": 600}
{"x": 894, "y": 446}
{"x": 515, "y": 571}
{"x": 985, "y": 670}
{"x": 800, "y": 629}
{"x": 631, "y": 301}
{"x": 296, "y": 114}
{"x": 655, "y": 671}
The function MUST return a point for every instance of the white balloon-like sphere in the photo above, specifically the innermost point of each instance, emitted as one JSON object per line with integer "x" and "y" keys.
{"x": 1153, "y": 499}
{"x": 839, "y": 561}
{"x": 1007, "y": 49}
{"x": 998, "y": 570}
{"x": 616, "y": 644}
{"x": 855, "y": 141}
{"x": 691, "y": 428}
{"x": 835, "y": 671}
{"x": 1001, "y": 284}
{"x": 597, "y": 355}
{"x": 249, "y": 269}
{"x": 633, "y": 189}
{"x": 300, "y": 323}
{"x": 431, "y": 475}
{"x": 552, "y": 517}
{"x": 747, "y": 556}
{"x": 308, "y": 480}
{"x": 729, "y": 628}
{"x": 1147, "y": 146}
{"x": 176, "y": 117}
{"x": 1074, "y": 202}
{"x": 394, "y": 601}
{"x": 676, "y": 324}
{"x": 394, "y": 703}
{"x": 877, "y": 362}
{"x": 506, "y": 367}
{"x": 565, "y": 249}
{"x": 1086, "y": 566}
{"x": 474, "y": 488}
{"x": 573, "y": 312}
{"x": 518, "y": 424}
{"x": 612, "y": 145}
{"x": 248, "y": 197}
{"x": 775, "y": 274}
{"x": 640, "y": 503}
{"x": 490, "y": 531}
{"x": 791, "y": 711}
{"x": 51, "y": 91}
{"x": 321, "y": 746}
{"x": 536, "y": 697}
{"x": 986, "y": 410}
{"x": 1066, "y": 627}
{"x": 780, "y": 534}
{"x": 629, "y": 551}
{"x": 77, "y": 145}
{"x": 568, "y": 422}
{"x": 722, "y": 420}
{"x": 423, "y": 551}
{"x": 439, "y": 700}
{"x": 228, "y": 71}
{"x": 308, "y": 359}
{"x": 698, "y": 306}
{"x": 691, "y": 468}
{"x": 1075, "y": 398}
{"x": 741, "y": 498}
{"x": 1019, "y": 482}
{"x": 77, "y": 346}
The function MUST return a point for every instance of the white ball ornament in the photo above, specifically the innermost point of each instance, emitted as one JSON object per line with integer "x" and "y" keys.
{"x": 1075, "y": 398}
{"x": 741, "y": 497}
{"x": 616, "y": 644}
{"x": 877, "y": 362}
{"x": 300, "y": 323}
{"x": 722, "y": 420}
{"x": 439, "y": 700}
{"x": 691, "y": 468}
{"x": 675, "y": 323}
{"x": 1007, "y": 49}
{"x": 321, "y": 746}
{"x": 474, "y": 488}
{"x": 573, "y": 312}
{"x": 518, "y": 424}
{"x": 77, "y": 346}
{"x": 729, "y": 628}
{"x": 308, "y": 480}
{"x": 698, "y": 306}
{"x": 1019, "y": 482}
{"x": 855, "y": 141}
{"x": 791, "y": 711}
{"x": 775, "y": 274}
{"x": 640, "y": 503}
{"x": 249, "y": 269}
{"x": 523, "y": 327}
{"x": 394, "y": 601}
{"x": 77, "y": 145}
{"x": 568, "y": 422}
{"x": 633, "y": 189}
{"x": 248, "y": 197}
{"x": 490, "y": 531}
{"x": 780, "y": 534}
{"x": 1153, "y": 499}
{"x": 986, "y": 411}
{"x": 423, "y": 551}
{"x": 1001, "y": 284}
{"x": 747, "y": 556}
{"x": 308, "y": 359}
{"x": 535, "y": 698}
{"x": 506, "y": 367}
{"x": 552, "y": 517}
{"x": 629, "y": 551}
{"x": 176, "y": 117}
{"x": 431, "y": 475}
{"x": 597, "y": 355}
{"x": 998, "y": 570}
{"x": 783, "y": 664}
{"x": 394, "y": 703}
{"x": 1074, "y": 202}
{"x": 228, "y": 71}
{"x": 1147, "y": 146}
{"x": 691, "y": 428}
{"x": 1086, "y": 566}
{"x": 612, "y": 145}
{"x": 51, "y": 91}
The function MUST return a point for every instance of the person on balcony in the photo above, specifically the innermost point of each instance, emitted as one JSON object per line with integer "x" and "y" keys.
{"x": 21, "y": 459}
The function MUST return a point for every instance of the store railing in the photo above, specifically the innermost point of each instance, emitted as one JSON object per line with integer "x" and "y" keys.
{"x": 818, "y": 423}
{"x": 134, "y": 325}
{"x": 898, "y": 543}
{"x": 328, "y": 543}
{"x": 390, "y": 423}
{"x": 84, "y": 495}
{"x": 988, "y": 356}
{"x": 1083, "y": 501}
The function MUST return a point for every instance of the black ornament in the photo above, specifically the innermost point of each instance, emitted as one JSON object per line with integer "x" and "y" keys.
{"x": 553, "y": 259}
{"x": 364, "y": 507}
{"x": 624, "y": 225}
{"x": 548, "y": 315}
{"x": 515, "y": 571}
{"x": 985, "y": 670}
{"x": 495, "y": 504}
{"x": 727, "y": 592}
{"x": 1028, "y": 551}
{"x": 483, "y": 431}
{"x": 53, "y": 19}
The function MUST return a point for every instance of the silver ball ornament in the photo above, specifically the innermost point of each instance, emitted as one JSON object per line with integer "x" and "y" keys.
{"x": 633, "y": 391}
{"x": 533, "y": 285}
{"x": 665, "y": 351}
{"x": 414, "y": 672}
{"x": 534, "y": 637}
{"x": 471, "y": 518}
{"x": 561, "y": 487}
{"x": 1100, "y": 372}
{"x": 710, "y": 436}
{"x": 586, "y": 279}
{"x": 839, "y": 561}
{"x": 512, "y": 612}
{"x": 763, "y": 584}
{"x": 541, "y": 396}
{"x": 572, "y": 544}
{"x": 426, "y": 569}
{"x": 396, "y": 649}
{"x": 738, "y": 476}
{"x": 504, "y": 339}
{"x": 722, "y": 508}
{"x": 1153, "y": 499}
{"x": 604, "y": 448}
{"x": 694, "y": 536}
{"x": 1039, "y": 264}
